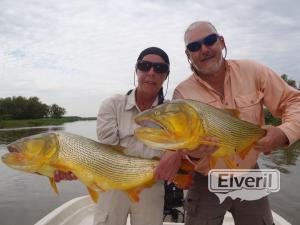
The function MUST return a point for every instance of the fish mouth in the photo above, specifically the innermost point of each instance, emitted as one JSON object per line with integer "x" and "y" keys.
{"x": 151, "y": 131}
{"x": 12, "y": 159}
{"x": 18, "y": 161}
{"x": 150, "y": 124}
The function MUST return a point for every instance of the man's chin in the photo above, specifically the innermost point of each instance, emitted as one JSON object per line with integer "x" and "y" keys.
{"x": 209, "y": 70}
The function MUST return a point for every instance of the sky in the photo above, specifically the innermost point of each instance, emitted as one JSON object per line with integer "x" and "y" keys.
{"x": 75, "y": 53}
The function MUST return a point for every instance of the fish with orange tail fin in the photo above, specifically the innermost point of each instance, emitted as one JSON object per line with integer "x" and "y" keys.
{"x": 184, "y": 124}
{"x": 98, "y": 166}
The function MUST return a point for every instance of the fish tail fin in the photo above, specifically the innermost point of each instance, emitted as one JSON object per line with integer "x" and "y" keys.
{"x": 53, "y": 184}
{"x": 230, "y": 163}
{"x": 94, "y": 194}
{"x": 183, "y": 181}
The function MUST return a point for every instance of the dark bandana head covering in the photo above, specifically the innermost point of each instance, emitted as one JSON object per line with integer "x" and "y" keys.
{"x": 154, "y": 51}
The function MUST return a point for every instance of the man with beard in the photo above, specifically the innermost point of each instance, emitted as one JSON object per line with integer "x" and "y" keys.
{"x": 236, "y": 84}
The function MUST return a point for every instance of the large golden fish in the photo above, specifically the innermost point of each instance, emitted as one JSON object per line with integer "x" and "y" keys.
{"x": 182, "y": 124}
{"x": 98, "y": 166}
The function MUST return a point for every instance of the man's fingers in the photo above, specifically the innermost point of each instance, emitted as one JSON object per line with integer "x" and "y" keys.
{"x": 69, "y": 176}
{"x": 203, "y": 165}
{"x": 211, "y": 139}
{"x": 56, "y": 176}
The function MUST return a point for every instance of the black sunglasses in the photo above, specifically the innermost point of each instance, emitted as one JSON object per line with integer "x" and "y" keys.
{"x": 208, "y": 41}
{"x": 145, "y": 66}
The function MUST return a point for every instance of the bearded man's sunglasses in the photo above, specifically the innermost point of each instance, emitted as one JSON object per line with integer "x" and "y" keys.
{"x": 208, "y": 41}
{"x": 145, "y": 66}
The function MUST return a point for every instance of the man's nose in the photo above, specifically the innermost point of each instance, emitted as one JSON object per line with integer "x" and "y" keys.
{"x": 204, "y": 48}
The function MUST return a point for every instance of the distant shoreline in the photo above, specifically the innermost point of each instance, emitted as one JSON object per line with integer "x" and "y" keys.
{"x": 41, "y": 122}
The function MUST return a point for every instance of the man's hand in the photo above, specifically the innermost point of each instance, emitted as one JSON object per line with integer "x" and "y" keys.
{"x": 203, "y": 154}
{"x": 59, "y": 175}
{"x": 171, "y": 161}
{"x": 168, "y": 165}
{"x": 273, "y": 139}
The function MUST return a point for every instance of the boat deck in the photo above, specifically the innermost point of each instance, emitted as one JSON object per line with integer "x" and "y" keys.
{"x": 79, "y": 211}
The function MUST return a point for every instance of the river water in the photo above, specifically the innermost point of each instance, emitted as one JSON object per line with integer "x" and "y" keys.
{"x": 26, "y": 198}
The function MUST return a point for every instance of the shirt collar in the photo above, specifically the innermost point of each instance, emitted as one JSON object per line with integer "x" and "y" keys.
{"x": 130, "y": 103}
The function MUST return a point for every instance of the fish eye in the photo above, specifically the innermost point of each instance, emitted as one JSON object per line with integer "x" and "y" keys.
{"x": 156, "y": 113}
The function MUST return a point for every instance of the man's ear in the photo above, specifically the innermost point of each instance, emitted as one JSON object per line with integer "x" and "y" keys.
{"x": 221, "y": 38}
{"x": 187, "y": 53}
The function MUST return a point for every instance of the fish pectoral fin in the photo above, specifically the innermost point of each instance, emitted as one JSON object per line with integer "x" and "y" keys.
{"x": 53, "y": 184}
{"x": 94, "y": 194}
{"x": 245, "y": 151}
{"x": 230, "y": 163}
{"x": 99, "y": 187}
{"x": 183, "y": 181}
{"x": 134, "y": 193}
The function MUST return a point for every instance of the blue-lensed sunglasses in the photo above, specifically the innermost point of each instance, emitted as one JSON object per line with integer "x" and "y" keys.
{"x": 208, "y": 41}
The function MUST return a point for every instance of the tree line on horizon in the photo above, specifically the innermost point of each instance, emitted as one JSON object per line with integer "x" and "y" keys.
{"x": 18, "y": 108}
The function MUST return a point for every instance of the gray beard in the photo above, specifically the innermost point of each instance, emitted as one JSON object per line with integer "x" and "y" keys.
{"x": 210, "y": 71}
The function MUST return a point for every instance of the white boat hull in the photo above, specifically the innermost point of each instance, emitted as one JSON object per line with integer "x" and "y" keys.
{"x": 79, "y": 211}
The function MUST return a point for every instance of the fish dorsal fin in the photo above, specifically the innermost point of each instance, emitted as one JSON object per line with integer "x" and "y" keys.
{"x": 94, "y": 194}
{"x": 232, "y": 112}
{"x": 118, "y": 148}
{"x": 53, "y": 184}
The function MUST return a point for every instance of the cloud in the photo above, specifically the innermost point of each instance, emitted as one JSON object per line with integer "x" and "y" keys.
{"x": 76, "y": 53}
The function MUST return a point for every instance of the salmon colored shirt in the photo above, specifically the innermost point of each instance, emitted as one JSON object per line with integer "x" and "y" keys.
{"x": 248, "y": 87}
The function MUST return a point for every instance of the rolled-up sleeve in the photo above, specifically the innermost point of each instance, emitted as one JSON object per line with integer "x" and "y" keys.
{"x": 107, "y": 126}
{"x": 283, "y": 101}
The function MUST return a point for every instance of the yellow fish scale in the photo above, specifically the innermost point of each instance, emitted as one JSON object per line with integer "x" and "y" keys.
{"x": 104, "y": 163}
{"x": 234, "y": 135}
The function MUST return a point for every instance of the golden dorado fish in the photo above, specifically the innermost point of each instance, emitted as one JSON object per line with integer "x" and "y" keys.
{"x": 182, "y": 124}
{"x": 98, "y": 166}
